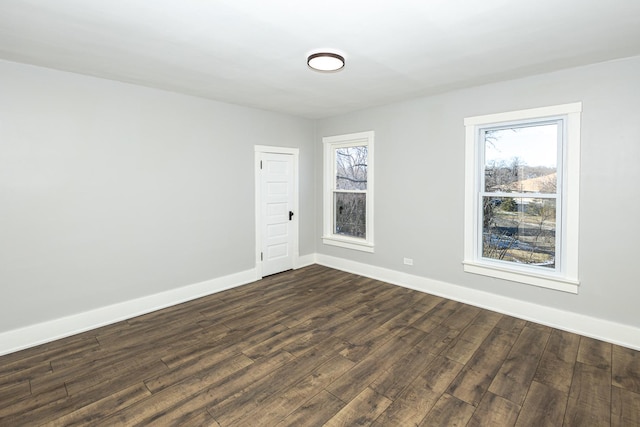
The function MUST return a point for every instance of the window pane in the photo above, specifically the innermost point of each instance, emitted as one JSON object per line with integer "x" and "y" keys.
{"x": 350, "y": 214}
{"x": 521, "y": 159}
{"x": 351, "y": 168}
{"x": 519, "y": 230}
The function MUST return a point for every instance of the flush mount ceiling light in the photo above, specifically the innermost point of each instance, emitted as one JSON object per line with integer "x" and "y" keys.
{"x": 325, "y": 61}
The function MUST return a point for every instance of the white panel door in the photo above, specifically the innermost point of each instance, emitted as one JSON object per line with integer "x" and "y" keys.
{"x": 277, "y": 189}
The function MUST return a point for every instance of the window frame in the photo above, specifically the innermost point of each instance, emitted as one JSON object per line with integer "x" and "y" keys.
{"x": 330, "y": 145}
{"x": 565, "y": 276}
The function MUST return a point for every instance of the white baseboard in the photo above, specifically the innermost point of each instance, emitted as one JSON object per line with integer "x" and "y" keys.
{"x": 29, "y": 336}
{"x": 605, "y": 330}
{"x": 305, "y": 260}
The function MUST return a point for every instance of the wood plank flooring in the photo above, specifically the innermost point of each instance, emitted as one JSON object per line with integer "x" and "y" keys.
{"x": 316, "y": 347}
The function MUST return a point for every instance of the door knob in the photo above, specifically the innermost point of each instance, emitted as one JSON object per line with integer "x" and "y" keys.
{"x": 290, "y": 215}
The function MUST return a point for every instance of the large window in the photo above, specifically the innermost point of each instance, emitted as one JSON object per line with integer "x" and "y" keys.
{"x": 348, "y": 191}
{"x": 522, "y": 196}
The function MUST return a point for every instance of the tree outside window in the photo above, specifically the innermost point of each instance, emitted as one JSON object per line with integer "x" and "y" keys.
{"x": 350, "y": 196}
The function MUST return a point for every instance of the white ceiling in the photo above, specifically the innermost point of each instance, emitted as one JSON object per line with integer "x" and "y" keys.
{"x": 253, "y": 52}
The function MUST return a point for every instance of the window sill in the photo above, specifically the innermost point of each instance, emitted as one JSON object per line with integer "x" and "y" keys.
{"x": 355, "y": 244}
{"x": 543, "y": 281}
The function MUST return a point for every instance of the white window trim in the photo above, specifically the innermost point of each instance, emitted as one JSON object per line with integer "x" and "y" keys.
{"x": 330, "y": 143}
{"x": 566, "y": 278}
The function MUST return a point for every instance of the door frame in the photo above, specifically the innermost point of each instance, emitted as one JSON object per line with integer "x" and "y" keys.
{"x": 258, "y": 151}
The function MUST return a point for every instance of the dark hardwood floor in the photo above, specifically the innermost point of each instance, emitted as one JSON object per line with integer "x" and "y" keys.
{"x": 318, "y": 346}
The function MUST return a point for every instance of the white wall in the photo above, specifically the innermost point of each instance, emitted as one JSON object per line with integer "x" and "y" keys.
{"x": 111, "y": 192}
{"x": 419, "y": 193}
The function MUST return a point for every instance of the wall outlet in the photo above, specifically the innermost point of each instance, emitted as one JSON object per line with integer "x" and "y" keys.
{"x": 408, "y": 261}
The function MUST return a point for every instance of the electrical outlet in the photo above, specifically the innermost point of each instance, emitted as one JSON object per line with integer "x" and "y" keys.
{"x": 408, "y": 261}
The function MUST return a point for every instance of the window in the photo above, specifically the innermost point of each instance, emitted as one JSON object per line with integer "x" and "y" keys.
{"x": 348, "y": 191}
{"x": 521, "y": 196}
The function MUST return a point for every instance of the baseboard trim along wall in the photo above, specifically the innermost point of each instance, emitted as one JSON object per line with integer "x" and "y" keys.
{"x": 40, "y": 333}
{"x": 605, "y": 330}
{"x": 305, "y": 260}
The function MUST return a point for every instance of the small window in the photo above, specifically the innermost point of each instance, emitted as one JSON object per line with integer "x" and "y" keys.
{"x": 348, "y": 194}
{"x": 522, "y": 196}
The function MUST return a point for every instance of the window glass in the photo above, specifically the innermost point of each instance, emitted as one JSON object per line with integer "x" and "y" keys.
{"x": 521, "y": 159}
{"x": 351, "y": 168}
{"x": 520, "y": 230}
{"x": 351, "y": 214}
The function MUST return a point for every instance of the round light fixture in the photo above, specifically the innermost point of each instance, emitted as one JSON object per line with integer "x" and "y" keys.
{"x": 325, "y": 61}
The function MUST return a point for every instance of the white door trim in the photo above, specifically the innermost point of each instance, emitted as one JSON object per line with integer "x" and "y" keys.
{"x": 295, "y": 152}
